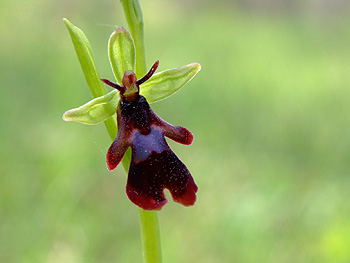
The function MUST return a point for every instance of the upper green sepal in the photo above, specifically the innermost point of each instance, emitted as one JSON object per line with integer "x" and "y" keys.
{"x": 121, "y": 52}
{"x": 95, "y": 111}
{"x": 167, "y": 82}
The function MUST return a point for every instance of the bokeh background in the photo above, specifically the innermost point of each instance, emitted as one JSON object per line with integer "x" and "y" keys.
{"x": 269, "y": 111}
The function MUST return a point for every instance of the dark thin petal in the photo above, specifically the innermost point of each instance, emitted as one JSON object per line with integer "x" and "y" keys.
{"x": 113, "y": 85}
{"x": 149, "y": 74}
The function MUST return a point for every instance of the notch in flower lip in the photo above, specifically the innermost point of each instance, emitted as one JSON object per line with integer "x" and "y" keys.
{"x": 153, "y": 166}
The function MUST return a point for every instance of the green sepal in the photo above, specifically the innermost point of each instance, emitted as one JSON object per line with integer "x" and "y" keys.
{"x": 121, "y": 52}
{"x": 95, "y": 111}
{"x": 166, "y": 83}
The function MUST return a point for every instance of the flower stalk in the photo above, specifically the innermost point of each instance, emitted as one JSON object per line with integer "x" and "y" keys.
{"x": 150, "y": 235}
{"x": 149, "y": 221}
{"x": 134, "y": 18}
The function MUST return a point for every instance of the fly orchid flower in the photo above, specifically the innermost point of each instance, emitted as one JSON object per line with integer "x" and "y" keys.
{"x": 154, "y": 166}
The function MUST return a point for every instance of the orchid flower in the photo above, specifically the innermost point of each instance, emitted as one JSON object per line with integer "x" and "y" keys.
{"x": 154, "y": 166}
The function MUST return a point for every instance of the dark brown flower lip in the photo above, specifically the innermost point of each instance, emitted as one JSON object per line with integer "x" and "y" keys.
{"x": 158, "y": 172}
{"x": 154, "y": 166}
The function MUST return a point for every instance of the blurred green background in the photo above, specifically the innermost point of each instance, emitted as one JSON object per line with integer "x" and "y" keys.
{"x": 269, "y": 111}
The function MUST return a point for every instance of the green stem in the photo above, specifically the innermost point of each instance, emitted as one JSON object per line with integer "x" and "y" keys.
{"x": 150, "y": 234}
{"x": 149, "y": 222}
{"x": 133, "y": 14}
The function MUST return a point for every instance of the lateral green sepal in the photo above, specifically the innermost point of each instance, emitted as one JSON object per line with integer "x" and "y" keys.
{"x": 166, "y": 83}
{"x": 95, "y": 111}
